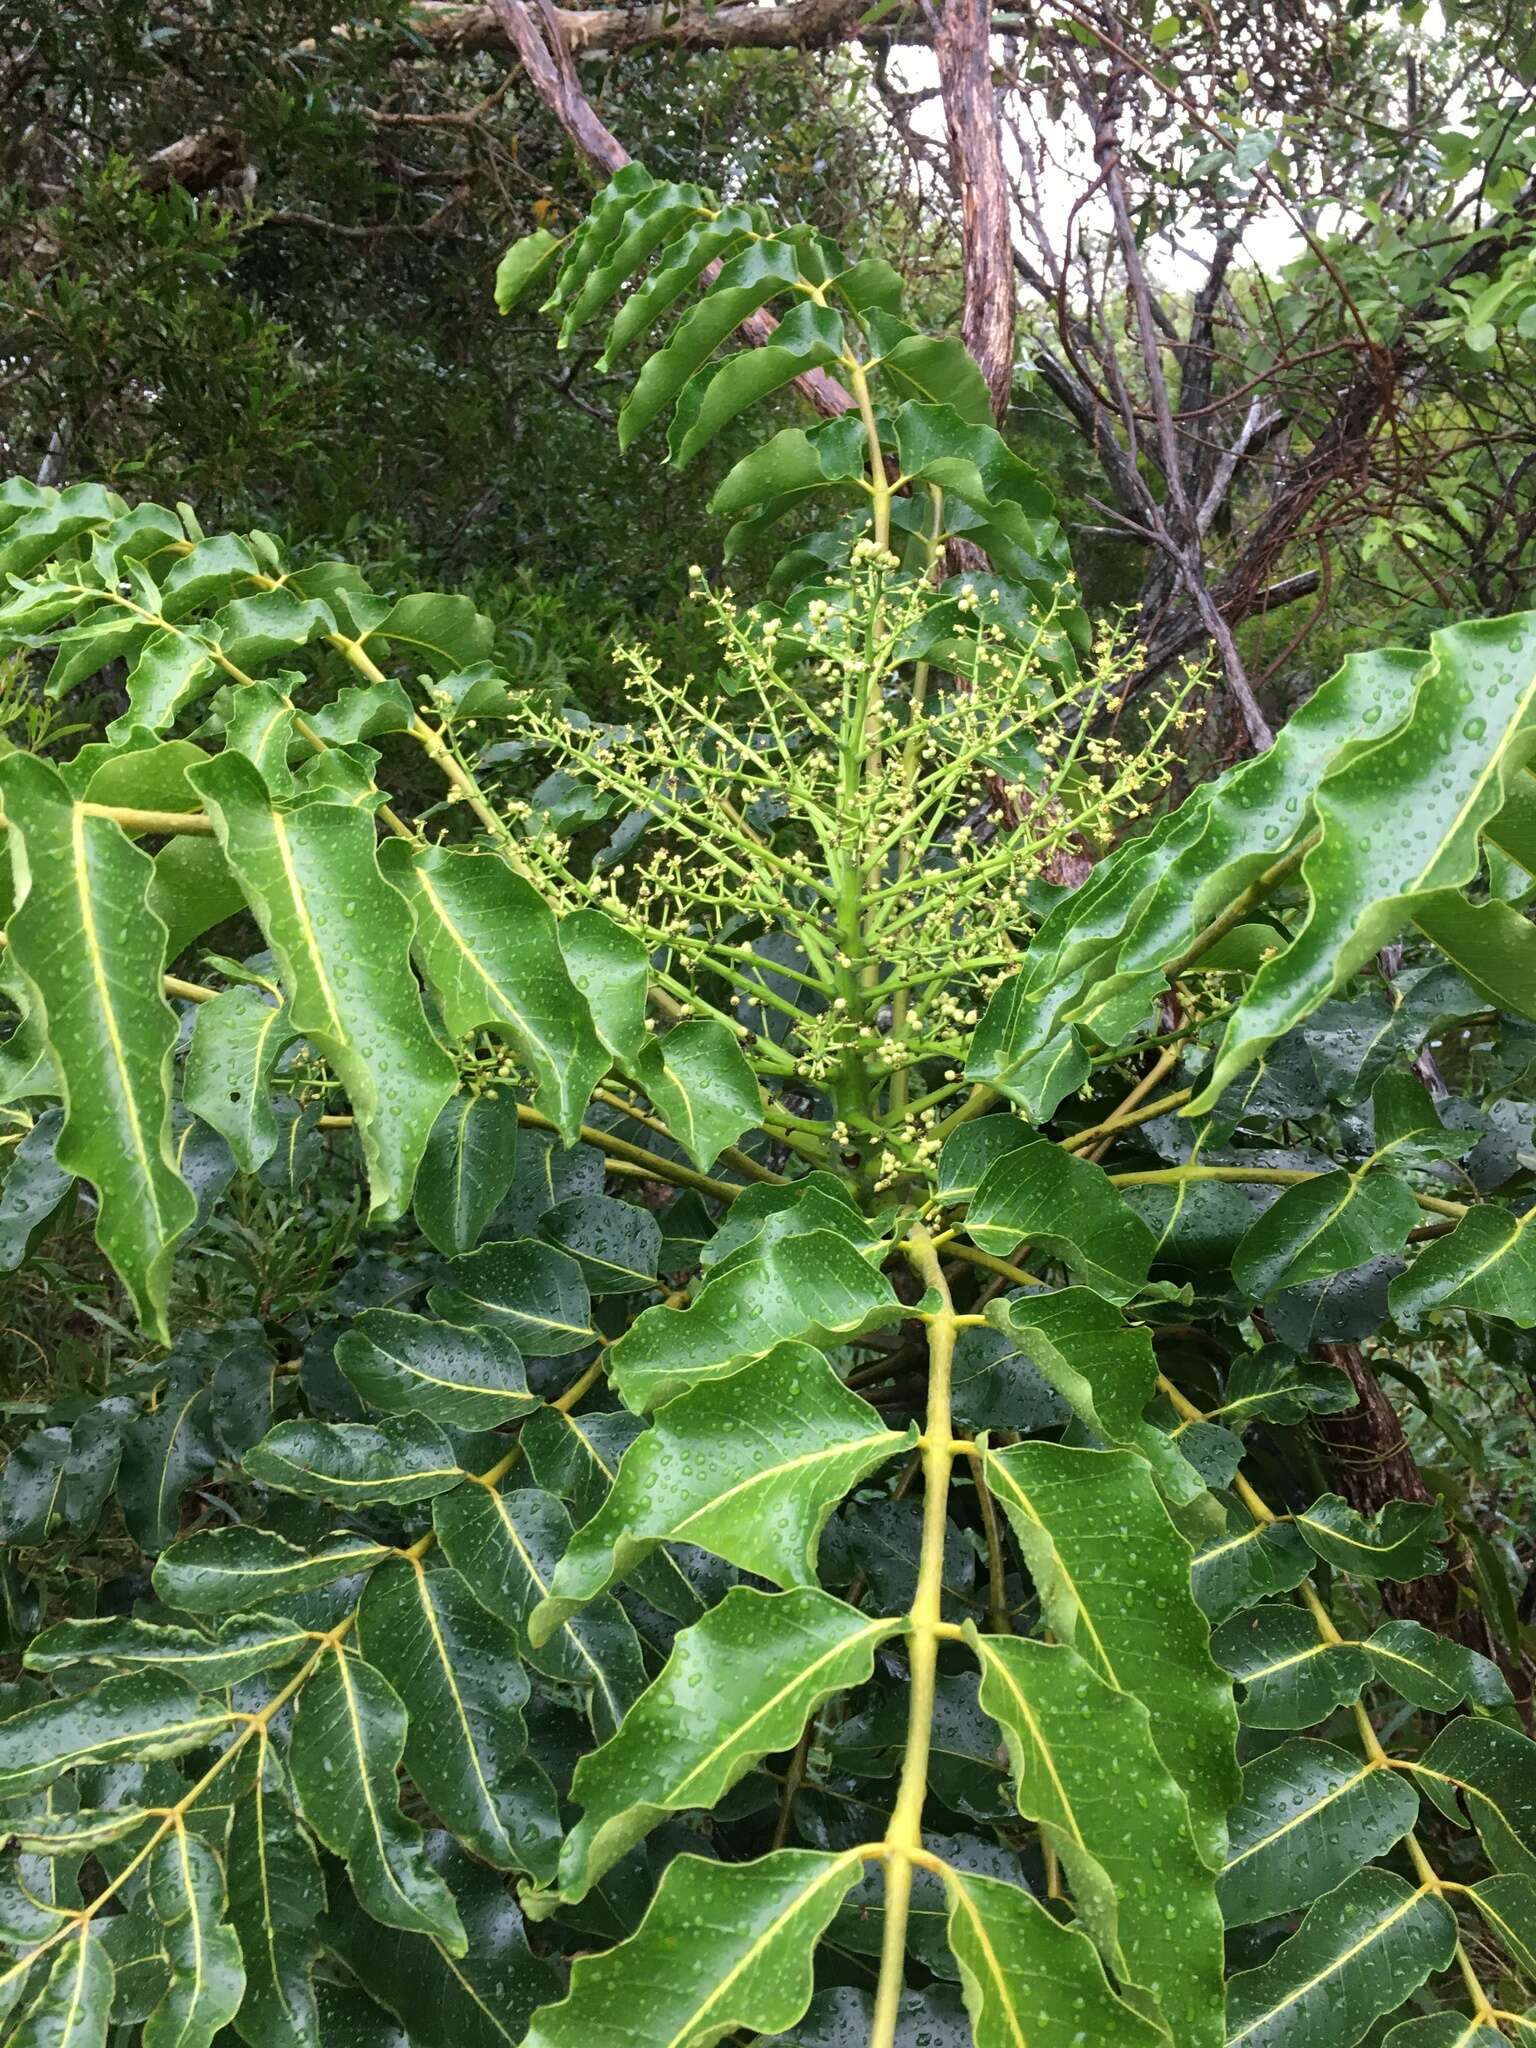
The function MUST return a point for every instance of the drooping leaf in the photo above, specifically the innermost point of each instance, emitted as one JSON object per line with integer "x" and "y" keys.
{"x": 466, "y": 1170}
{"x": 749, "y": 1469}
{"x": 244, "y": 1645}
{"x": 1309, "y": 1817}
{"x": 92, "y": 954}
{"x": 1113, "y": 1575}
{"x": 817, "y": 1288}
{"x": 465, "y": 1377}
{"x": 456, "y": 1669}
{"x": 738, "y": 1686}
{"x": 348, "y": 1739}
{"x": 1434, "y": 1672}
{"x": 342, "y": 938}
{"x": 1325, "y": 1226}
{"x": 1480, "y": 1769}
{"x": 1035, "y": 1192}
{"x": 1133, "y": 1865}
{"x": 276, "y": 1895}
{"x": 744, "y": 1935}
{"x": 165, "y": 1451}
{"x": 74, "y": 2007}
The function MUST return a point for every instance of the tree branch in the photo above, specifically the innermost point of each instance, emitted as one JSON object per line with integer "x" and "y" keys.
{"x": 976, "y": 158}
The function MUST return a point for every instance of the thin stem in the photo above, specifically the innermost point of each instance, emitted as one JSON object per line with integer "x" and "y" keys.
{"x": 904, "y": 1835}
{"x": 1273, "y": 1176}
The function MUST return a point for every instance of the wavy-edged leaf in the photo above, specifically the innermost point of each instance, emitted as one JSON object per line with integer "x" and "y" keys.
{"x": 488, "y": 944}
{"x": 656, "y": 216}
{"x": 1309, "y": 1817}
{"x": 780, "y": 475}
{"x": 235, "y": 1040}
{"x": 974, "y": 463}
{"x": 1400, "y": 1541}
{"x": 616, "y": 1244}
{"x": 1105, "y": 1370}
{"x": 505, "y": 1546}
{"x": 1478, "y": 1767}
{"x": 276, "y": 1896}
{"x": 698, "y": 1078}
{"x": 1029, "y": 1980}
{"x": 1293, "y": 1677}
{"x": 35, "y": 1185}
{"x": 1508, "y": 1905}
{"x": 244, "y": 1645}
{"x": 683, "y": 263}
{"x": 817, "y": 1288}
{"x": 1249, "y": 1562}
{"x": 1113, "y": 1575}
{"x": 468, "y": 1166}
{"x": 92, "y": 953}
{"x": 1358, "y": 1955}
{"x": 141, "y": 1715}
{"x": 532, "y": 1291}
{"x": 1033, "y": 1190}
{"x": 74, "y": 2008}
{"x": 1399, "y": 821}
{"x": 401, "y": 1459}
{"x": 738, "y": 1686}
{"x": 463, "y": 1376}
{"x": 342, "y": 939}
{"x": 748, "y": 1469}
{"x": 1325, "y": 1226}
{"x": 1274, "y": 1385}
{"x": 1486, "y": 1265}
{"x": 723, "y": 1946}
{"x": 233, "y": 1570}
{"x": 1073, "y": 1741}
{"x": 202, "y": 1952}
{"x": 456, "y": 1669}
{"x": 166, "y": 1450}
{"x": 348, "y": 1739}
{"x": 523, "y": 265}
{"x": 1434, "y": 1672}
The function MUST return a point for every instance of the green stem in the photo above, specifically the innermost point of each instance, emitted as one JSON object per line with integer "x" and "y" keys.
{"x": 1272, "y": 1176}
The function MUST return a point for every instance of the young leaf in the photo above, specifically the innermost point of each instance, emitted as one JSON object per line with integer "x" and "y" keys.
{"x": 466, "y": 1170}
{"x": 456, "y": 1669}
{"x": 1027, "y": 1978}
{"x": 1358, "y": 1954}
{"x": 92, "y": 954}
{"x": 723, "y": 1946}
{"x": 235, "y": 1040}
{"x": 1113, "y": 1575}
{"x": 1133, "y": 1866}
{"x": 342, "y": 939}
{"x": 207, "y": 1974}
{"x": 738, "y": 1686}
{"x": 348, "y": 1738}
{"x": 233, "y": 1570}
{"x": 488, "y": 944}
{"x": 1309, "y": 1817}
{"x": 749, "y": 1468}
{"x": 463, "y": 1377}
{"x": 815, "y": 1287}
{"x": 1400, "y": 1541}
{"x": 402, "y": 1459}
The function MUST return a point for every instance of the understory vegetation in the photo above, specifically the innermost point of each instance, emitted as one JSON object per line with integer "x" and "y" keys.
{"x": 780, "y": 1290}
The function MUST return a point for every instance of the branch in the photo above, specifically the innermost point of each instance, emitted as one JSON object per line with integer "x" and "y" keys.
{"x": 453, "y": 28}
{"x": 976, "y": 158}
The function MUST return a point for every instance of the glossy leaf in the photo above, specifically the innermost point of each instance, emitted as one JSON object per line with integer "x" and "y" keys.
{"x": 1400, "y": 1541}
{"x": 74, "y": 2008}
{"x": 403, "y": 1459}
{"x": 1325, "y": 1226}
{"x": 463, "y": 1377}
{"x": 531, "y": 1291}
{"x": 276, "y": 1896}
{"x": 1487, "y": 1265}
{"x": 243, "y": 1646}
{"x": 1309, "y": 1817}
{"x": 235, "y": 1040}
{"x": 207, "y": 1973}
{"x": 1480, "y": 1769}
{"x": 1035, "y": 1192}
{"x": 142, "y": 1715}
{"x": 234, "y": 1570}
{"x": 1292, "y": 1676}
{"x": 466, "y": 1170}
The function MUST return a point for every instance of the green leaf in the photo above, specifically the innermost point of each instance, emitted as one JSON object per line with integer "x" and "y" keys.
{"x": 1251, "y": 1561}
{"x": 235, "y": 1041}
{"x": 192, "y": 890}
{"x": 207, "y": 1975}
{"x": 1399, "y": 822}
{"x": 35, "y": 1185}
{"x": 1490, "y": 1771}
{"x": 276, "y": 1895}
{"x": 1067, "y": 1208}
{"x": 165, "y": 1451}
{"x": 403, "y": 1459}
{"x": 939, "y": 370}
{"x": 246, "y": 1644}
{"x": 1293, "y": 1677}
{"x": 817, "y": 1288}
{"x": 1325, "y": 1226}
{"x": 505, "y": 1546}
{"x": 1486, "y": 1265}
{"x": 808, "y": 338}
{"x": 92, "y": 953}
{"x": 1309, "y": 1817}
{"x": 1433, "y": 1672}
{"x": 1274, "y": 1385}
{"x": 747, "y": 1932}
{"x": 348, "y": 1738}
{"x": 683, "y": 263}
{"x": 466, "y": 1170}
{"x": 1029, "y": 1980}
{"x": 698, "y": 1078}
{"x": 738, "y": 1686}
{"x": 748, "y": 1468}
{"x": 220, "y": 1571}
{"x": 523, "y": 265}
{"x": 341, "y": 936}
{"x": 1113, "y": 1575}
{"x": 655, "y": 217}
{"x": 74, "y": 2008}
{"x": 440, "y": 632}
{"x": 616, "y": 1244}
{"x": 464, "y": 1378}
{"x": 531, "y": 1291}
{"x": 488, "y": 944}
{"x": 1105, "y": 1370}
{"x": 1400, "y": 1541}
{"x": 1358, "y": 1955}
{"x": 140, "y": 1715}
{"x": 975, "y": 464}
{"x": 1134, "y": 1869}
{"x": 456, "y": 1670}
{"x": 1508, "y": 1905}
